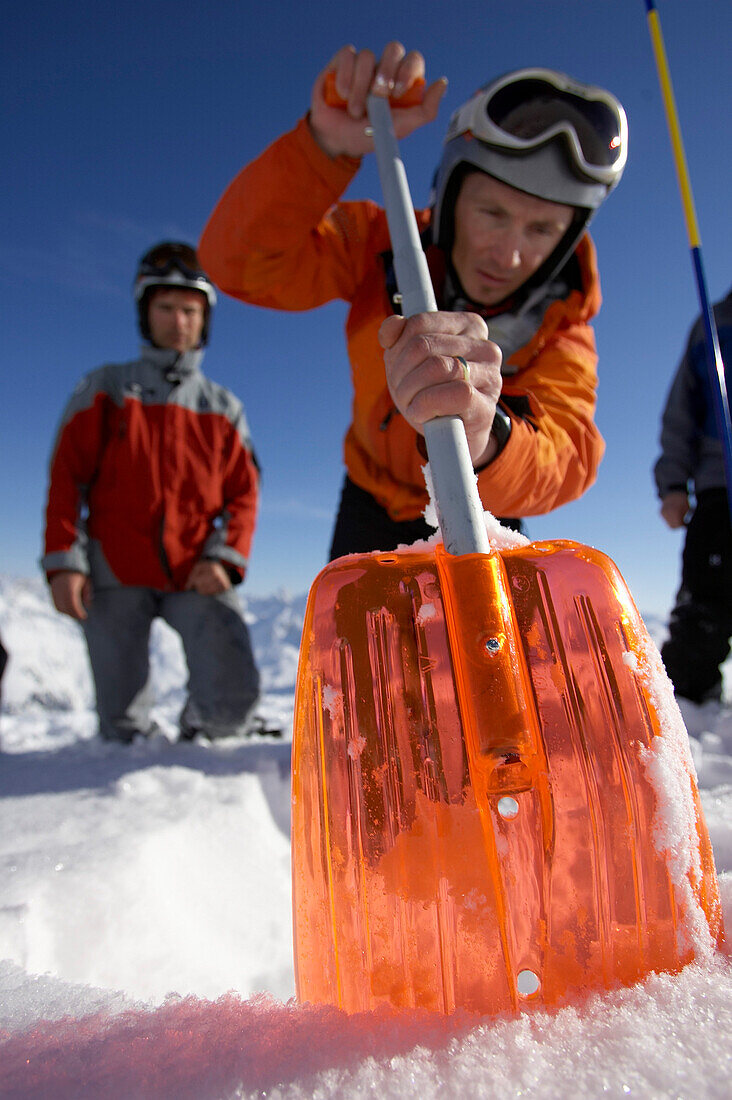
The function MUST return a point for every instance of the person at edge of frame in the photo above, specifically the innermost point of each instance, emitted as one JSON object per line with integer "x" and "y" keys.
{"x": 691, "y": 463}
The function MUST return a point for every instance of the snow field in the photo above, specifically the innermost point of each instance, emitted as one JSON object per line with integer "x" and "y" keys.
{"x": 145, "y": 920}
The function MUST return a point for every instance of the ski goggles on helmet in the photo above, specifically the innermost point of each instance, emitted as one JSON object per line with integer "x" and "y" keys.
{"x": 531, "y": 107}
{"x": 168, "y": 257}
{"x": 174, "y": 264}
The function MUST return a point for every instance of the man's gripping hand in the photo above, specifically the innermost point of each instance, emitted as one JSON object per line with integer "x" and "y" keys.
{"x": 427, "y": 378}
{"x": 343, "y": 130}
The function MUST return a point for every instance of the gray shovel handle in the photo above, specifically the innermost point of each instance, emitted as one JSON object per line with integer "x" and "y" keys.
{"x": 459, "y": 507}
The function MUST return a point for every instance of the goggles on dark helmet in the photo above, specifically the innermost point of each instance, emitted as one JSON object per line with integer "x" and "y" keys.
{"x": 173, "y": 264}
{"x": 523, "y": 110}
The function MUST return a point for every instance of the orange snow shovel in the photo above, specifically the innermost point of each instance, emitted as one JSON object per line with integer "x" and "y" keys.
{"x": 493, "y": 805}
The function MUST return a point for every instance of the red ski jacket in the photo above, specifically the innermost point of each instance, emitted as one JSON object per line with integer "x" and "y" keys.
{"x": 152, "y": 470}
{"x": 280, "y": 238}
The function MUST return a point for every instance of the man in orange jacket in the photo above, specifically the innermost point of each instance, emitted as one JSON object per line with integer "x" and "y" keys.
{"x": 526, "y": 163}
{"x": 152, "y": 504}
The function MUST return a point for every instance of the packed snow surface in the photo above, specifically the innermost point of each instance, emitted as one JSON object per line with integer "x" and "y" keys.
{"x": 145, "y": 926}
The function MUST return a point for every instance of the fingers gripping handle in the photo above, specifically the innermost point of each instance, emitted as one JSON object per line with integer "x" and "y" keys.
{"x": 458, "y": 505}
{"x": 412, "y": 97}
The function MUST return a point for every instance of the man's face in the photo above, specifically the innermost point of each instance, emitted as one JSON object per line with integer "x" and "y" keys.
{"x": 502, "y": 236}
{"x": 176, "y": 317}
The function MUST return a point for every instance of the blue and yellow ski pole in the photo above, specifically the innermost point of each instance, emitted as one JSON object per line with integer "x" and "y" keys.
{"x": 715, "y": 364}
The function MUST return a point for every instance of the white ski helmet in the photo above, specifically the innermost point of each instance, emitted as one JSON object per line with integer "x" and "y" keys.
{"x": 543, "y": 133}
{"x": 171, "y": 264}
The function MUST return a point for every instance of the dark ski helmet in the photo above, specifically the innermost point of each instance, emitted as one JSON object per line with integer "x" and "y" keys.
{"x": 543, "y": 133}
{"x": 171, "y": 264}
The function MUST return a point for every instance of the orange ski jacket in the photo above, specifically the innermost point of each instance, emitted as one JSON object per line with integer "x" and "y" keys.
{"x": 152, "y": 469}
{"x": 280, "y": 238}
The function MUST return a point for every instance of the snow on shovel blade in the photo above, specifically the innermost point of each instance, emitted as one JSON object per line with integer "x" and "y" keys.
{"x": 494, "y": 804}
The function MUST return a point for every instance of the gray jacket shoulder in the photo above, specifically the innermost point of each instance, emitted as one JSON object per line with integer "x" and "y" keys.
{"x": 225, "y": 403}
{"x": 109, "y": 379}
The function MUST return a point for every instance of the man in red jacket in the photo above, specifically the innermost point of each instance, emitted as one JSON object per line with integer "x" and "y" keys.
{"x": 526, "y": 163}
{"x": 152, "y": 505}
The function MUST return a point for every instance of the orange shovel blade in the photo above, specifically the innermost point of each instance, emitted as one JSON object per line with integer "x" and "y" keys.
{"x": 479, "y": 811}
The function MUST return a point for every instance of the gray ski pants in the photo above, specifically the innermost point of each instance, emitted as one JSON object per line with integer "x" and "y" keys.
{"x": 223, "y": 681}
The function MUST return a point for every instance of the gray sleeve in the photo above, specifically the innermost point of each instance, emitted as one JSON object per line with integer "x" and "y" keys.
{"x": 679, "y": 431}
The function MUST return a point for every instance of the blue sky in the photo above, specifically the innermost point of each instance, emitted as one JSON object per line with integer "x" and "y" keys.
{"x": 122, "y": 127}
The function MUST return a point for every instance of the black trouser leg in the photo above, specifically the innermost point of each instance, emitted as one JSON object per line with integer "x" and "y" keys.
{"x": 700, "y": 625}
{"x": 362, "y": 525}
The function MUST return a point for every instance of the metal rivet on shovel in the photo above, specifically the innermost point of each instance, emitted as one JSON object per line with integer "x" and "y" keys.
{"x": 508, "y": 807}
{"x": 527, "y": 983}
